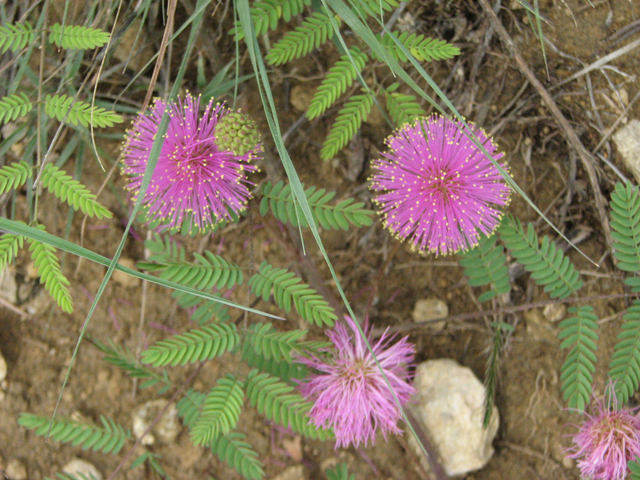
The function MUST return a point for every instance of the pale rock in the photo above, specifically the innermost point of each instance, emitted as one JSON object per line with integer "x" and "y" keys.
{"x": 82, "y": 469}
{"x": 3, "y": 368}
{"x": 300, "y": 97}
{"x": 295, "y": 472}
{"x": 165, "y": 430}
{"x": 449, "y": 402}
{"x": 554, "y": 312}
{"x": 627, "y": 139}
{"x": 8, "y": 285}
{"x": 429, "y": 309}
{"x": 16, "y": 470}
{"x": 125, "y": 279}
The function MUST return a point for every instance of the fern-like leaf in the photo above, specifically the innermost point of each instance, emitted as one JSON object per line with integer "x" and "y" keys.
{"x": 65, "y": 110}
{"x": 339, "y": 77}
{"x": 266, "y": 13}
{"x": 48, "y": 266}
{"x": 287, "y": 372}
{"x": 579, "y": 334}
{"x": 486, "y": 264}
{"x": 313, "y": 32}
{"x": 280, "y": 403}
{"x": 68, "y": 190}
{"x": 220, "y": 411}
{"x": 194, "y": 346}
{"x": 288, "y": 289}
{"x": 14, "y": 176}
{"x": 280, "y": 200}
{"x": 625, "y": 226}
{"x": 634, "y": 468}
{"x": 348, "y": 121}
{"x": 402, "y": 107}
{"x": 624, "y": 369}
{"x": 424, "y": 49}
{"x": 270, "y": 343}
{"x": 339, "y": 472}
{"x": 77, "y": 37}
{"x": 548, "y": 265}
{"x": 239, "y": 455}
{"x": 127, "y": 361}
{"x": 16, "y": 37}
{"x": 14, "y": 106}
{"x": 374, "y": 8}
{"x": 9, "y": 246}
{"x": 492, "y": 369}
{"x": 106, "y": 439}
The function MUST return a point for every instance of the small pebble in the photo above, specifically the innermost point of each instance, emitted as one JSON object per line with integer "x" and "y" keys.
{"x": 16, "y": 470}
{"x": 292, "y": 473}
{"x": 427, "y": 309}
{"x": 3, "y": 368}
{"x": 554, "y": 312}
{"x": 82, "y": 468}
{"x": 165, "y": 430}
{"x": 125, "y": 279}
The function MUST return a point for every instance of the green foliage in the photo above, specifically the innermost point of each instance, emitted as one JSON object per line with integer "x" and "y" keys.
{"x": 374, "y": 8}
{"x": 402, "y": 107}
{"x": 284, "y": 207}
{"x": 283, "y": 370}
{"x": 9, "y": 246}
{"x": 579, "y": 334}
{"x": 266, "y": 13}
{"x": 126, "y": 360}
{"x": 491, "y": 373}
{"x": 238, "y": 454}
{"x": 152, "y": 461}
{"x": 297, "y": 43}
{"x": 106, "y": 439}
{"x": 14, "y": 176}
{"x": 68, "y": 190}
{"x": 486, "y": 264}
{"x": 424, "y": 49}
{"x": 272, "y": 344}
{"x": 77, "y": 37}
{"x": 340, "y": 472}
{"x": 288, "y": 289}
{"x": 280, "y": 403}
{"x": 48, "y": 266}
{"x": 14, "y": 106}
{"x": 339, "y": 77}
{"x": 16, "y": 37}
{"x": 348, "y": 121}
{"x": 66, "y": 110}
{"x": 549, "y": 266}
{"x": 625, "y": 226}
{"x": 220, "y": 411}
{"x": 194, "y": 346}
{"x": 634, "y": 468}
{"x": 624, "y": 369}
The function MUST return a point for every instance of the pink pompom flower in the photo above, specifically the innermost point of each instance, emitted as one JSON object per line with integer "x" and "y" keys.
{"x": 607, "y": 440}
{"x": 348, "y": 391}
{"x": 199, "y": 175}
{"x": 437, "y": 188}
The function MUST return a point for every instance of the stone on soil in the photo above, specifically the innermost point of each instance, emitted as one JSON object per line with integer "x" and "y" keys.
{"x": 165, "y": 430}
{"x": 449, "y": 403}
{"x": 427, "y": 309}
{"x": 627, "y": 139}
{"x": 82, "y": 469}
{"x": 16, "y": 470}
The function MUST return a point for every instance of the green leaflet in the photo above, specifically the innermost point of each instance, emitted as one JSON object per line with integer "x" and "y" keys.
{"x": 16, "y": 37}
{"x": 346, "y": 125}
{"x": 77, "y": 113}
{"x": 266, "y": 13}
{"x": 68, "y": 190}
{"x": 48, "y": 266}
{"x": 624, "y": 369}
{"x": 220, "y": 411}
{"x": 403, "y": 108}
{"x": 486, "y": 264}
{"x": 280, "y": 403}
{"x": 287, "y": 289}
{"x": 425, "y": 49}
{"x": 299, "y": 42}
{"x": 77, "y": 37}
{"x": 579, "y": 335}
{"x": 279, "y": 199}
{"x": 548, "y": 265}
{"x": 196, "y": 345}
{"x": 339, "y": 77}
{"x": 106, "y": 439}
{"x": 625, "y": 226}
{"x": 14, "y": 106}
{"x": 14, "y": 176}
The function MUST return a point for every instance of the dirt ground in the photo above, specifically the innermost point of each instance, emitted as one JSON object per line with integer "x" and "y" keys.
{"x": 385, "y": 282}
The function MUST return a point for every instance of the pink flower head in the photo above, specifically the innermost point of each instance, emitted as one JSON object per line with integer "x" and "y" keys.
{"x": 607, "y": 440}
{"x": 194, "y": 178}
{"x": 349, "y": 392}
{"x": 438, "y": 188}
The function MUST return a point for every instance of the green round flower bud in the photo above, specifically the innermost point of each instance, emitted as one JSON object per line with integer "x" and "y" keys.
{"x": 237, "y": 133}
